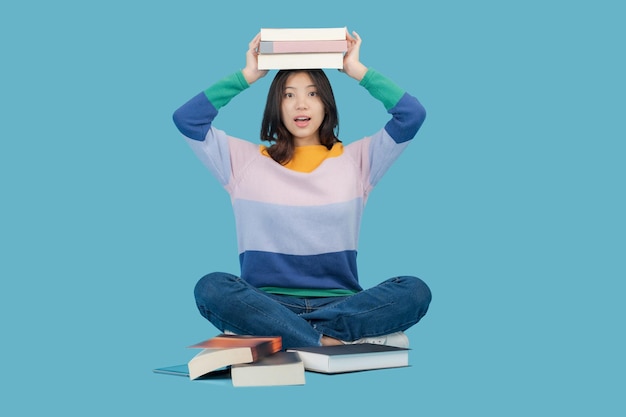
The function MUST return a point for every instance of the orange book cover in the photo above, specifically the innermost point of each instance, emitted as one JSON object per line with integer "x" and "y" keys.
{"x": 262, "y": 345}
{"x": 226, "y": 350}
{"x": 224, "y": 341}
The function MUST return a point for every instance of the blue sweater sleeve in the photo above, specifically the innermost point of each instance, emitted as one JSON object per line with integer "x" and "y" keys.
{"x": 193, "y": 119}
{"x": 407, "y": 112}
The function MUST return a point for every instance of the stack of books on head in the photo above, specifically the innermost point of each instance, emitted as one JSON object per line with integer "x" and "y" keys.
{"x": 259, "y": 361}
{"x": 302, "y": 48}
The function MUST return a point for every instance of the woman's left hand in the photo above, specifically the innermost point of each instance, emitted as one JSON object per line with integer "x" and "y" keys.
{"x": 351, "y": 61}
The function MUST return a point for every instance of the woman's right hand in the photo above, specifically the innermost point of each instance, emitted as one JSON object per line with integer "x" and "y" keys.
{"x": 252, "y": 72}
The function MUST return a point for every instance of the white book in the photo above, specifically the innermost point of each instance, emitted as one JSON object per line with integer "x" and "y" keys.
{"x": 352, "y": 357}
{"x": 300, "y": 61}
{"x": 281, "y": 368}
{"x": 303, "y": 34}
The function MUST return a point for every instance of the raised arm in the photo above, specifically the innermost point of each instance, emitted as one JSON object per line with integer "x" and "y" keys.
{"x": 193, "y": 119}
{"x": 407, "y": 112}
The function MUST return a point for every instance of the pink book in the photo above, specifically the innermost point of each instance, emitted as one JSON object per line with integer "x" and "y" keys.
{"x": 312, "y": 46}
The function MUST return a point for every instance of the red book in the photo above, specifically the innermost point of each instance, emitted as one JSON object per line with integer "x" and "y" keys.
{"x": 284, "y": 47}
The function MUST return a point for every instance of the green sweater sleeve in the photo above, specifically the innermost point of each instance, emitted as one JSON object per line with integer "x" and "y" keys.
{"x": 382, "y": 88}
{"x": 220, "y": 93}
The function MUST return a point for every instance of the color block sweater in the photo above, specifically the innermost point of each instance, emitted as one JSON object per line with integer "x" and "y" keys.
{"x": 298, "y": 224}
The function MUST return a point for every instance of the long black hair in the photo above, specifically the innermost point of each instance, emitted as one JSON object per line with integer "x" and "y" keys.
{"x": 274, "y": 130}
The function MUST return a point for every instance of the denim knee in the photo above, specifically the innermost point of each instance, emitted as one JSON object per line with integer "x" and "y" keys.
{"x": 418, "y": 293}
{"x": 420, "y": 290}
{"x": 211, "y": 285}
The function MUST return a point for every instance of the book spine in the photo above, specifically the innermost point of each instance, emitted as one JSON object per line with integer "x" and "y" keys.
{"x": 282, "y": 47}
{"x": 265, "y": 349}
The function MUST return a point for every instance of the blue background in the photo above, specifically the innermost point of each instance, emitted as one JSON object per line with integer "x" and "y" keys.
{"x": 510, "y": 204}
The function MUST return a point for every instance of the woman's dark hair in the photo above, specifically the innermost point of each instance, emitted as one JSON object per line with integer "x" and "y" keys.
{"x": 272, "y": 127}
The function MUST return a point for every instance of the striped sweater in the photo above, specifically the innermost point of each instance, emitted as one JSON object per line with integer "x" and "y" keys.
{"x": 298, "y": 224}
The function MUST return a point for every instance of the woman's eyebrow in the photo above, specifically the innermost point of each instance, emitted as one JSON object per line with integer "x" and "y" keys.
{"x": 308, "y": 86}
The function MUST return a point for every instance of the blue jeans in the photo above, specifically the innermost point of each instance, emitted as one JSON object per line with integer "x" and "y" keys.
{"x": 230, "y": 303}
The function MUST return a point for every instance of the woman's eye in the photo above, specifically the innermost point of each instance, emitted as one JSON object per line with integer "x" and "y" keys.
{"x": 313, "y": 93}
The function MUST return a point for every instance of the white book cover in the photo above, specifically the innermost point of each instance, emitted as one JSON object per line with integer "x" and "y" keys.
{"x": 300, "y": 61}
{"x": 303, "y": 34}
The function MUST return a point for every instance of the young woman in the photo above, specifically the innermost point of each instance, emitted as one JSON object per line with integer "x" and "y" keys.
{"x": 298, "y": 205}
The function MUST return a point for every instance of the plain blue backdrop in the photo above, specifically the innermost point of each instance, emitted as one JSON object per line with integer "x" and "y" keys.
{"x": 510, "y": 204}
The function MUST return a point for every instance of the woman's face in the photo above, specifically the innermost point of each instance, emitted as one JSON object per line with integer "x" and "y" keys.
{"x": 302, "y": 110}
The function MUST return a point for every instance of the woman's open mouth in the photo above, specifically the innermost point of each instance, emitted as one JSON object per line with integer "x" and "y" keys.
{"x": 302, "y": 121}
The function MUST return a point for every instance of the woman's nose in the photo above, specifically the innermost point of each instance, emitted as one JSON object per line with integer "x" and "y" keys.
{"x": 301, "y": 104}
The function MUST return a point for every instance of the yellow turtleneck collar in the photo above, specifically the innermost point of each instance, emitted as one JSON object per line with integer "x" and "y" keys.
{"x": 307, "y": 158}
